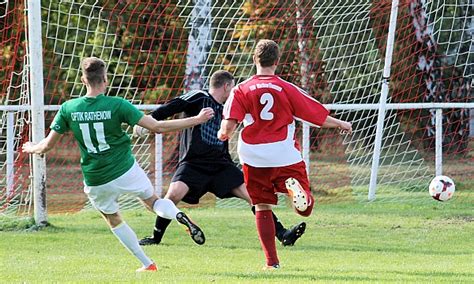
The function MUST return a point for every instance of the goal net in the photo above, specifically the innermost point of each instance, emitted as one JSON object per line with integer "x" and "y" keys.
{"x": 157, "y": 50}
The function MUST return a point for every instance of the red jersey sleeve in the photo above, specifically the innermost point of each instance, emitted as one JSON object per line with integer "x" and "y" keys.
{"x": 306, "y": 108}
{"x": 234, "y": 108}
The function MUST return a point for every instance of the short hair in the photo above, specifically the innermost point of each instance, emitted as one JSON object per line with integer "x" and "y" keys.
{"x": 93, "y": 69}
{"x": 219, "y": 78}
{"x": 267, "y": 53}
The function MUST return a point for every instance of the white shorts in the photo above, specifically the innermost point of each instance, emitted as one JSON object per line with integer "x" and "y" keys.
{"x": 134, "y": 182}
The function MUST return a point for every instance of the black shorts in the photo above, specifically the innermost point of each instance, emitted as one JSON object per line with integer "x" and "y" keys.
{"x": 218, "y": 179}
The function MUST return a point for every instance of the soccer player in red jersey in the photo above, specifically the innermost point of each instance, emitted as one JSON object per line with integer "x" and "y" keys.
{"x": 268, "y": 107}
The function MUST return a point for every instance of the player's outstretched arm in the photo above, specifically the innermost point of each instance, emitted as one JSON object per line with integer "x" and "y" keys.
{"x": 170, "y": 108}
{"x": 44, "y": 145}
{"x": 228, "y": 127}
{"x": 176, "y": 124}
{"x": 344, "y": 126}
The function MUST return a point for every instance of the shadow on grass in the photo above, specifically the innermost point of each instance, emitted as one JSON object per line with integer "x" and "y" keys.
{"x": 27, "y": 225}
{"x": 16, "y": 224}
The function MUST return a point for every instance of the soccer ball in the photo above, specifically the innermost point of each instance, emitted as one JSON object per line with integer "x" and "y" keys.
{"x": 442, "y": 188}
{"x": 139, "y": 131}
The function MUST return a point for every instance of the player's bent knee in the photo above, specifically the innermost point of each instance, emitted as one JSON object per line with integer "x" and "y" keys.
{"x": 113, "y": 219}
{"x": 177, "y": 191}
{"x": 176, "y": 197}
{"x": 149, "y": 202}
{"x": 263, "y": 207}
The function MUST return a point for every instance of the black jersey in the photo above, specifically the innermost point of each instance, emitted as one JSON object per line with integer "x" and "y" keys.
{"x": 198, "y": 144}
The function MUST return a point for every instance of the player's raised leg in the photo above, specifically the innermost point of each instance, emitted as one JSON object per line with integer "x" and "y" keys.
{"x": 302, "y": 201}
{"x": 194, "y": 231}
{"x": 297, "y": 185}
{"x": 165, "y": 208}
{"x": 176, "y": 192}
{"x": 287, "y": 237}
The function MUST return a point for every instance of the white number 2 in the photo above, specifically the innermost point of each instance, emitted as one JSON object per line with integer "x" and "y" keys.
{"x": 267, "y": 101}
{"x": 100, "y": 137}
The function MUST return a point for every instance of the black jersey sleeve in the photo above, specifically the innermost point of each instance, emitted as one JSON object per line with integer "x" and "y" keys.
{"x": 170, "y": 108}
{"x": 177, "y": 105}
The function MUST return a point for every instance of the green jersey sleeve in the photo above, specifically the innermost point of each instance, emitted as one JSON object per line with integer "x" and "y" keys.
{"x": 60, "y": 124}
{"x": 129, "y": 113}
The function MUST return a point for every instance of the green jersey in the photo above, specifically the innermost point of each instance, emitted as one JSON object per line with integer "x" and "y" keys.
{"x": 97, "y": 126}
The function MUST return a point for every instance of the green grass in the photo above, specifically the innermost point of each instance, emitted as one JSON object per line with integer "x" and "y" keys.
{"x": 343, "y": 243}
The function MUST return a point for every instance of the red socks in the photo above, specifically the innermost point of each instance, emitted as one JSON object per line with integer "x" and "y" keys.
{"x": 266, "y": 234}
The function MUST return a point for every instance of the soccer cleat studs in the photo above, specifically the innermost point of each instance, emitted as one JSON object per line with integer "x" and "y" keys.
{"x": 194, "y": 231}
{"x": 297, "y": 194}
{"x": 290, "y": 236}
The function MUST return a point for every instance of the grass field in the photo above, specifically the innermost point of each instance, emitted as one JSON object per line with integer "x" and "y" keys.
{"x": 343, "y": 243}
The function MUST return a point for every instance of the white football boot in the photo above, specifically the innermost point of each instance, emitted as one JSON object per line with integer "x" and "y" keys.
{"x": 297, "y": 194}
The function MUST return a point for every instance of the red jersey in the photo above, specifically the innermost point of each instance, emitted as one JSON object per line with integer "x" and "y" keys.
{"x": 268, "y": 107}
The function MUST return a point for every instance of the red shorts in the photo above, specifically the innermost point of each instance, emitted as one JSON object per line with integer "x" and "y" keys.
{"x": 264, "y": 183}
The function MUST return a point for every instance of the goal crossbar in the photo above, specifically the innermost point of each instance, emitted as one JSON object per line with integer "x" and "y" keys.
{"x": 354, "y": 107}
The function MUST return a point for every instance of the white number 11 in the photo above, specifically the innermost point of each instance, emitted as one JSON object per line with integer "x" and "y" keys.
{"x": 100, "y": 137}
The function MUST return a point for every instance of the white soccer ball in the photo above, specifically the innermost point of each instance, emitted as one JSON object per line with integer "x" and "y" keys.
{"x": 139, "y": 131}
{"x": 442, "y": 188}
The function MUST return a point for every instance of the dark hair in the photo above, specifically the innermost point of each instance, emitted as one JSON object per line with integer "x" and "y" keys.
{"x": 93, "y": 69}
{"x": 267, "y": 53}
{"x": 219, "y": 78}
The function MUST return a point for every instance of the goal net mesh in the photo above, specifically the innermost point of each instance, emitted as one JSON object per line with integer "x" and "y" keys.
{"x": 158, "y": 50}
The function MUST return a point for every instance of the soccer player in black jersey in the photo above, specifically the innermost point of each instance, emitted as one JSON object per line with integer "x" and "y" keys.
{"x": 204, "y": 162}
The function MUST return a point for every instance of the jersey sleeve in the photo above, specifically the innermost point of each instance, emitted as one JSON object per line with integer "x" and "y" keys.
{"x": 171, "y": 108}
{"x": 60, "y": 124}
{"x": 129, "y": 113}
{"x": 234, "y": 108}
{"x": 306, "y": 108}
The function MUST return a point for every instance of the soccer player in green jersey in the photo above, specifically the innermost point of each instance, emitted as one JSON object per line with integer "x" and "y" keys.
{"x": 107, "y": 163}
